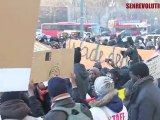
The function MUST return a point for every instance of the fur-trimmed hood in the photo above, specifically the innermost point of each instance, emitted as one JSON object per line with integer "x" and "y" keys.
{"x": 111, "y": 100}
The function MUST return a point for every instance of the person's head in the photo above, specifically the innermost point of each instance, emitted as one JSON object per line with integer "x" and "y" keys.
{"x": 119, "y": 36}
{"x": 104, "y": 71}
{"x": 98, "y": 65}
{"x": 103, "y": 85}
{"x": 94, "y": 73}
{"x": 158, "y": 44}
{"x": 114, "y": 74}
{"x": 57, "y": 88}
{"x": 138, "y": 71}
{"x": 77, "y": 55}
{"x": 130, "y": 41}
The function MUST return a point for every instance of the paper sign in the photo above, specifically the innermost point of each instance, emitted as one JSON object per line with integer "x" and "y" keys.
{"x": 11, "y": 81}
{"x": 47, "y": 64}
{"x": 154, "y": 66}
{"x": 17, "y": 33}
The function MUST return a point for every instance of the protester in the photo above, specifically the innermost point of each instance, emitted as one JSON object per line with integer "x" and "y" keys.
{"x": 131, "y": 52}
{"x": 61, "y": 100}
{"x": 158, "y": 48}
{"x": 119, "y": 41}
{"x": 13, "y": 107}
{"x": 93, "y": 74}
{"x": 98, "y": 65}
{"x": 120, "y": 76}
{"x": 81, "y": 74}
{"x": 150, "y": 45}
{"x": 144, "y": 101}
{"x": 104, "y": 71}
{"x": 111, "y": 42}
{"x": 43, "y": 96}
{"x": 107, "y": 106}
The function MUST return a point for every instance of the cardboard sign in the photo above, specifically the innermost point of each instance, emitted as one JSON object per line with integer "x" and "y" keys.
{"x": 92, "y": 53}
{"x": 47, "y": 64}
{"x": 154, "y": 66}
{"x": 62, "y": 62}
{"x": 40, "y": 47}
{"x": 17, "y": 33}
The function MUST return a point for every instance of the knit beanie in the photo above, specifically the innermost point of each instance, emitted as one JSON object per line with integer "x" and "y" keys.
{"x": 57, "y": 86}
{"x": 140, "y": 69}
{"x": 103, "y": 85}
{"x": 77, "y": 55}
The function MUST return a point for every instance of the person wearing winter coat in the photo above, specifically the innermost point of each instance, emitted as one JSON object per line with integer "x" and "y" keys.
{"x": 13, "y": 106}
{"x": 57, "y": 88}
{"x": 107, "y": 106}
{"x": 144, "y": 97}
{"x": 131, "y": 52}
{"x": 158, "y": 49}
{"x": 81, "y": 73}
{"x": 93, "y": 74}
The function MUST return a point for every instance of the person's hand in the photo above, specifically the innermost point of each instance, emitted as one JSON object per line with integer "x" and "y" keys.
{"x": 122, "y": 52}
{"x": 111, "y": 62}
{"x": 31, "y": 88}
{"x": 41, "y": 86}
{"x": 73, "y": 80}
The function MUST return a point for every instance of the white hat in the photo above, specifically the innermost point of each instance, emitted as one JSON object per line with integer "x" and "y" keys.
{"x": 103, "y": 85}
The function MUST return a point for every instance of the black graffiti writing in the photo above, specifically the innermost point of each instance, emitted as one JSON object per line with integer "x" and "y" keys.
{"x": 96, "y": 54}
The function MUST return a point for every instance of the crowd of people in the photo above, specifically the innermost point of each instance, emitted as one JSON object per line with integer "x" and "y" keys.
{"x": 121, "y": 41}
{"x": 99, "y": 93}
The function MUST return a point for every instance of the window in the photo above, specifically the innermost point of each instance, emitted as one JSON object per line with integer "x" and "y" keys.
{"x": 46, "y": 27}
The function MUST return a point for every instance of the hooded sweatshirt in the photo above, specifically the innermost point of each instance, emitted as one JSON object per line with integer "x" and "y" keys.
{"x": 81, "y": 79}
{"x": 109, "y": 106}
{"x": 14, "y": 109}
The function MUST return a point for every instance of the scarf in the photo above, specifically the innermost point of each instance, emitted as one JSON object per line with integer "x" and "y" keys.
{"x": 136, "y": 87}
{"x": 41, "y": 93}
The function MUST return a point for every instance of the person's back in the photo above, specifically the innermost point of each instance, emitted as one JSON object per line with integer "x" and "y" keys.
{"x": 67, "y": 103}
{"x": 61, "y": 101}
{"x": 104, "y": 113}
{"x": 108, "y": 105}
{"x": 81, "y": 74}
{"x": 13, "y": 107}
{"x": 144, "y": 101}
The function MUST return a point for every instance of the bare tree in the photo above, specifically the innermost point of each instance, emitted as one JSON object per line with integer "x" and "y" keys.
{"x": 97, "y": 7}
{"x": 56, "y": 9}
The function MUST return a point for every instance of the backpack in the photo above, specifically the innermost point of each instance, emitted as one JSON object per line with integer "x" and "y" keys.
{"x": 73, "y": 113}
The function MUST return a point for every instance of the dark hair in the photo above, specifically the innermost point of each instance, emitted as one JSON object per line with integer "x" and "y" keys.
{"x": 139, "y": 69}
{"x": 97, "y": 65}
{"x": 10, "y": 96}
{"x": 77, "y": 55}
{"x": 130, "y": 40}
{"x": 115, "y": 72}
{"x": 104, "y": 71}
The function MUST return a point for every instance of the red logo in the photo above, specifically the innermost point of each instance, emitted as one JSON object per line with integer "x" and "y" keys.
{"x": 119, "y": 116}
{"x": 142, "y": 5}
